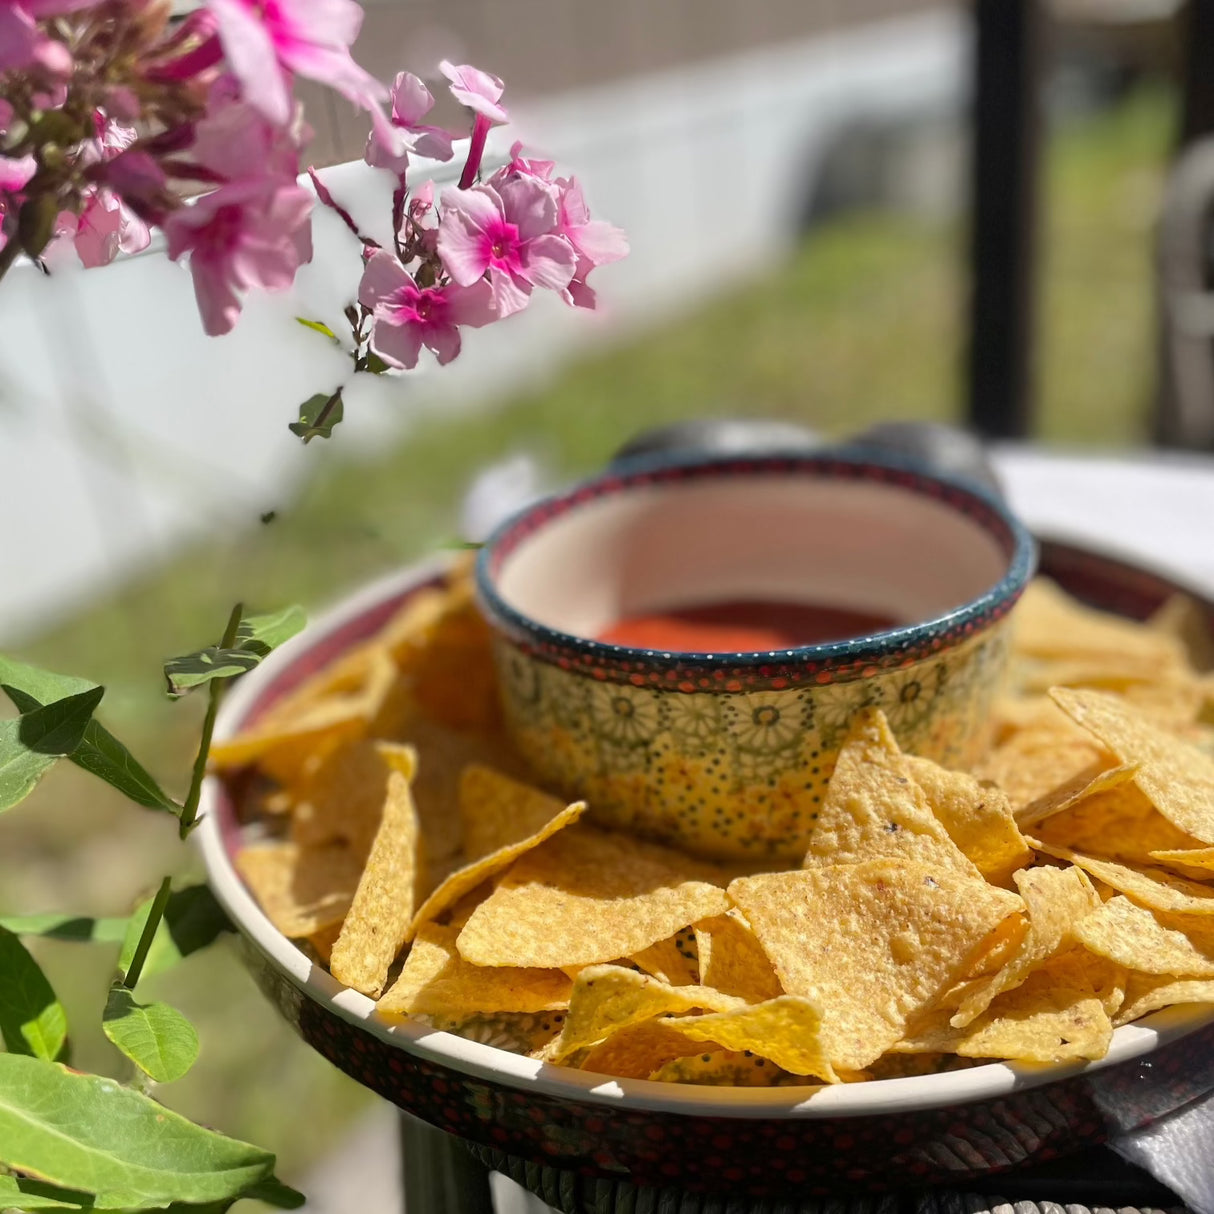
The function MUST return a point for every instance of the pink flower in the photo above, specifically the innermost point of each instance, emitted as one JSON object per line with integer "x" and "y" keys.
{"x": 522, "y": 166}
{"x": 15, "y": 174}
{"x": 266, "y": 39}
{"x": 408, "y": 317}
{"x": 102, "y": 229}
{"x": 234, "y": 140}
{"x": 506, "y": 237}
{"x": 596, "y": 242}
{"x": 24, "y": 45}
{"x": 478, "y": 90}
{"x": 411, "y": 102}
{"x": 250, "y": 233}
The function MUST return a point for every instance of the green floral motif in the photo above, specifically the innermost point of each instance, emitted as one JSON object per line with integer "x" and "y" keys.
{"x": 622, "y": 716}
{"x": 694, "y": 721}
{"x": 765, "y": 722}
{"x": 563, "y": 698}
{"x": 836, "y": 704}
{"x": 520, "y": 676}
{"x": 909, "y": 698}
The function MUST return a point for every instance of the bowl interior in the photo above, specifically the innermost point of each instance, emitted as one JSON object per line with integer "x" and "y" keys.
{"x": 893, "y": 548}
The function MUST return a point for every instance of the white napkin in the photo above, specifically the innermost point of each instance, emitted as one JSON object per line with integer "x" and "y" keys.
{"x": 1178, "y": 1151}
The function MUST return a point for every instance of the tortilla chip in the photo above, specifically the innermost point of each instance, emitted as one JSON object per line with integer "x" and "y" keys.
{"x": 498, "y": 812}
{"x": 733, "y": 961}
{"x": 787, "y": 1030}
{"x": 673, "y": 960}
{"x": 874, "y": 809}
{"x": 638, "y": 1050}
{"x": 722, "y": 1068}
{"x": 977, "y": 818}
{"x": 1034, "y": 764}
{"x": 1176, "y": 777}
{"x": 1195, "y": 861}
{"x": 378, "y": 919}
{"x": 466, "y": 878}
{"x": 1053, "y": 1016}
{"x": 344, "y": 799}
{"x": 302, "y": 890}
{"x": 607, "y": 998}
{"x": 1133, "y": 936}
{"x": 1090, "y": 781}
{"x": 1150, "y": 992}
{"x": 1056, "y": 899}
{"x": 436, "y": 980}
{"x": 1153, "y": 887}
{"x": 584, "y": 897}
{"x": 873, "y": 944}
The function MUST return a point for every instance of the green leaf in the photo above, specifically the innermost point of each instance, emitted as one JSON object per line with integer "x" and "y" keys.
{"x": 17, "y": 1193}
{"x": 57, "y": 728}
{"x": 20, "y": 768}
{"x": 90, "y": 1133}
{"x": 157, "y": 1038}
{"x": 318, "y": 326}
{"x": 375, "y": 364}
{"x": 318, "y": 415}
{"x": 43, "y": 685}
{"x": 256, "y": 637}
{"x": 192, "y": 920}
{"x": 101, "y": 754}
{"x": 77, "y": 928}
{"x": 32, "y": 1020}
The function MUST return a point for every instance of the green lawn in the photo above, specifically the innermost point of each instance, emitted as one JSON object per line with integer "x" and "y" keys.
{"x": 864, "y": 322}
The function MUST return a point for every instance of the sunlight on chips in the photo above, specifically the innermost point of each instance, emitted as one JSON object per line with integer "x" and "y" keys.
{"x": 1152, "y": 944}
{"x": 302, "y": 890}
{"x": 732, "y": 959}
{"x": 637, "y": 1050}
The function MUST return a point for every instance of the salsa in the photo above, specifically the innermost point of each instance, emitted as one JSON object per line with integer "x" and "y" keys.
{"x": 741, "y": 625}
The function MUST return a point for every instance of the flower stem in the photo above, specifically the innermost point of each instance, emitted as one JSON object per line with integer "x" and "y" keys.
{"x": 476, "y": 151}
{"x": 140, "y": 955}
{"x": 8, "y": 255}
{"x": 216, "y": 688}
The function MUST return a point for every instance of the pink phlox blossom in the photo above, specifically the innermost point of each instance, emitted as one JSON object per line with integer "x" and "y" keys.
{"x": 192, "y": 49}
{"x": 419, "y": 215}
{"x": 234, "y": 140}
{"x": 249, "y": 233}
{"x": 507, "y": 238}
{"x": 408, "y": 317}
{"x": 411, "y": 102}
{"x": 522, "y": 166}
{"x": 596, "y": 242}
{"x": 478, "y": 90}
{"x": 15, "y": 175}
{"x": 104, "y": 227}
{"x": 266, "y": 40}
{"x": 24, "y": 45}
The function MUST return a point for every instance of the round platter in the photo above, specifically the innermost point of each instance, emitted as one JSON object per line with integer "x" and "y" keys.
{"x": 756, "y": 1142}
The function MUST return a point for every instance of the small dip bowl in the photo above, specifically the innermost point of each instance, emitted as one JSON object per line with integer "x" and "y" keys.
{"x": 685, "y": 642}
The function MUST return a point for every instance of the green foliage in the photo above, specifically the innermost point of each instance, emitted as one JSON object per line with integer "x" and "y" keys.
{"x": 78, "y": 928}
{"x": 90, "y": 1134}
{"x": 190, "y": 920}
{"x": 157, "y": 1038}
{"x": 317, "y": 326}
{"x": 255, "y": 638}
{"x": 318, "y": 415}
{"x": 32, "y": 1020}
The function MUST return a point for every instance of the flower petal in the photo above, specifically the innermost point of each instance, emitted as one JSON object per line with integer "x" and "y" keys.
{"x": 253, "y": 58}
{"x": 508, "y": 296}
{"x": 529, "y": 203}
{"x": 443, "y": 340}
{"x": 549, "y": 261}
{"x": 471, "y": 306}
{"x": 478, "y": 90}
{"x": 398, "y": 345}
{"x": 382, "y": 278}
{"x": 462, "y": 241}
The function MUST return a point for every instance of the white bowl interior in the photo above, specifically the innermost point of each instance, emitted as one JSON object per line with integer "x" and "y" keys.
{"x": 874, "y": 548}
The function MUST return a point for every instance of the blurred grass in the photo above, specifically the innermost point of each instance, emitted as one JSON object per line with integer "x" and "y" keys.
{"x": 864, "y": 322}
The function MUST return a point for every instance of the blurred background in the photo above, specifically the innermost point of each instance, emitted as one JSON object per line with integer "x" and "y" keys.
{"x": 841, "y": 211}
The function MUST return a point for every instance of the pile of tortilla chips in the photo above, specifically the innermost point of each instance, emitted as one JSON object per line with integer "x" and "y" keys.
{"x": 1018, "y": 911}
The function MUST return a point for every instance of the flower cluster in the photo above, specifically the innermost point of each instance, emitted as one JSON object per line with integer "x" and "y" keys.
{"x": 478, "y": 254}
{"x": 114, "y": 121}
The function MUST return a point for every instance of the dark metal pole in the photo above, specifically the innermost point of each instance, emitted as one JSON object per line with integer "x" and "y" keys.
{"x": 1197, "y": 84}
{"x": 1004, "y": 173}
{"x": 439, "y": 1175}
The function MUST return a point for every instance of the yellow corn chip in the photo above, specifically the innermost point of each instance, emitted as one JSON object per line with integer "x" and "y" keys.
{"x": 874, "y": 944}
{"x": 322, "y": 941}
{"x": 733, "y": 961}
{"x": 1037, "y": 763}
{"x": 786, "y": 1030}
{"x": 345, "y": 797}
{"x": 498, "y": 812}
{"x": 378, "y": 919}
{"x": 1153, "y": 887}
{"x": 638, "y": 1050}
{"x": 436, "y": 980}
{"x": 1091, "y": 781}
{"x": 978, "y": 819}
{"x": 585, "y": 896}
{"x": 1132, "y": 936}
{"x": 1150, "y": 992}
{"x": 1056, "y": 899}
{"x": 289, "y": 753}
{"x": 1053, "y": 1016}
{"x": 1176, "y": 777}
{"x": 1200, "y": 859}
{"x": 302, "y": 890}
{"x": 1117, "y": 824}
{"x": 466, "y": 878}
{"x": 607, "y": 998}
{"x": 874, "y": 809}
{"x": 672, "y": 960}
{"x": 723, "y": 1068}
